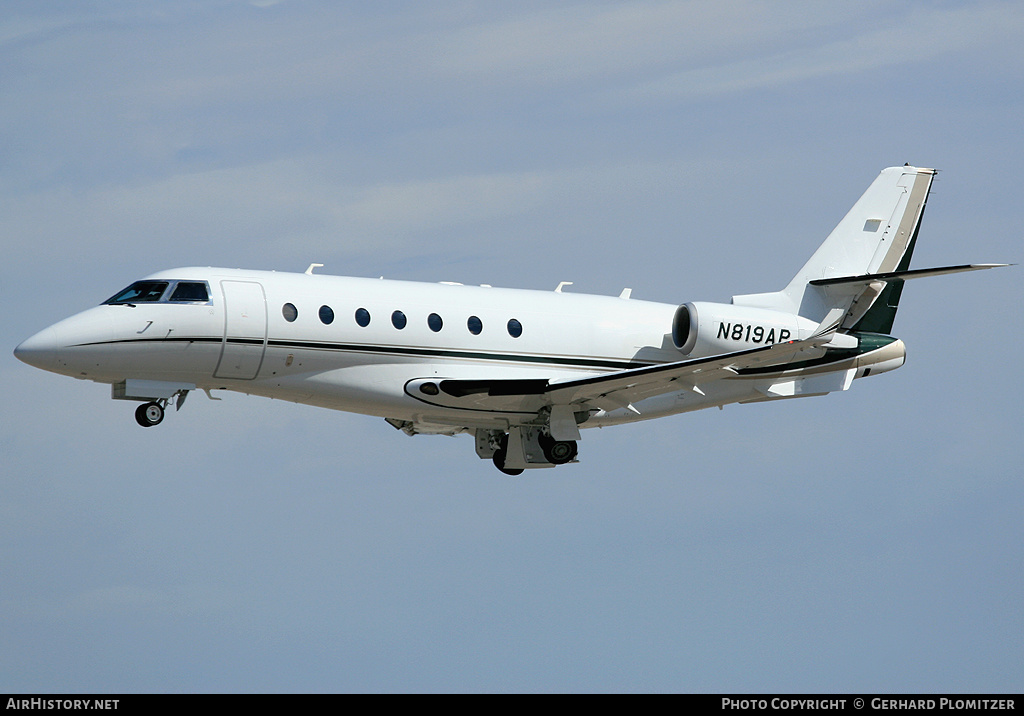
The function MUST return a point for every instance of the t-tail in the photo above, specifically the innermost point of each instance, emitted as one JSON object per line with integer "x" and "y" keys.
{"x": 862, "y": 265}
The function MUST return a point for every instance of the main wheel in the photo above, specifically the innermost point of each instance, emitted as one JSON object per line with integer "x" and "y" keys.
{"x": 558, "y": 452}
{"x": 149, "y": 414}
{"x": 499, "y": 459}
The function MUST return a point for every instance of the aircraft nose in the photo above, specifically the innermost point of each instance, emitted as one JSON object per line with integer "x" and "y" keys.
{"x": 39, "y": 351}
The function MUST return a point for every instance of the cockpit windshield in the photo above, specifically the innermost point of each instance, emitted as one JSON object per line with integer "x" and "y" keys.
{"x": 140, "y": 292}
{"x": 156, "y": 291}
{"x": 190, "y": 291}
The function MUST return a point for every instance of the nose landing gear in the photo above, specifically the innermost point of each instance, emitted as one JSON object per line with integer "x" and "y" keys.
{"x": 152, "y": 413}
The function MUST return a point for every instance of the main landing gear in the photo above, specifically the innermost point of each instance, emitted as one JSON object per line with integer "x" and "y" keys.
{"x": 149, "y": 414}
{"x": 536, "y": 449}
{"x": 499, "y": 462}
{"x": 499, "y": 459}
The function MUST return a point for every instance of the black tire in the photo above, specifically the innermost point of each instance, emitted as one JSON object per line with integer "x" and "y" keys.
{"x": 558, "y": 452}
{"x": 149, "y": 414}
{"x": 499, "y": 462}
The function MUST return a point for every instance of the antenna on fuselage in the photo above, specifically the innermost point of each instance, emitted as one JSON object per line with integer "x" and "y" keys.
{"x": 309, "y": 271}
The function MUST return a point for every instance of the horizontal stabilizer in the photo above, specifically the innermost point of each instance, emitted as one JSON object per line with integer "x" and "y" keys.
{"x": 872, "y": 297}
{"x": 903, "y": 275}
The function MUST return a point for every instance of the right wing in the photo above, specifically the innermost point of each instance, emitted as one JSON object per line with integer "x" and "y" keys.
{"x": 609, "y": 391}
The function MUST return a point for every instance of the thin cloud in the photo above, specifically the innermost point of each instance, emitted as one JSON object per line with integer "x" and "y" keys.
{"x": 919, "y": 37}
{"x": 586, "y": 41}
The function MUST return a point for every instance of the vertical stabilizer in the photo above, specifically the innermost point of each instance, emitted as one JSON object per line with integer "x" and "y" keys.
{"x": 876, "y": 236}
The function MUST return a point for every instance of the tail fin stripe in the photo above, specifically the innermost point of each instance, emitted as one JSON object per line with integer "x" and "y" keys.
{"x": 907, "y": 228}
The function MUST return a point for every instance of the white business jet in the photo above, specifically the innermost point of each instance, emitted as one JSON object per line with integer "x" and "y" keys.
{"x": 521, "y": 371}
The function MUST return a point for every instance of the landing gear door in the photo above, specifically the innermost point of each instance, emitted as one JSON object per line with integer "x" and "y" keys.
{"x": 245, "y": 330}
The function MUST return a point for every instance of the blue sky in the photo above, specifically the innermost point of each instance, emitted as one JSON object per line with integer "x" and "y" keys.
{"x": 867, "y": 541}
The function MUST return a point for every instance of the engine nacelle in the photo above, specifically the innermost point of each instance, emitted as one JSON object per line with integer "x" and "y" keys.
{"x": 705, "y": 329}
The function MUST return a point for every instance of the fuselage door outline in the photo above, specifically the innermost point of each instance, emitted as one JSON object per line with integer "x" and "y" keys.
{"x": 245, "y": 330}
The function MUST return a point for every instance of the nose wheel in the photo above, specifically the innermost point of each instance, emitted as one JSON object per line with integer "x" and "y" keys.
{"x": 149, "y": 414}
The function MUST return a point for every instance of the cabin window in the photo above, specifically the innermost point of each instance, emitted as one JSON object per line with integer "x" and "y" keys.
{"x": 398, "y": 320}
{"x": 326, "y": 315}
{"x": 515, "y": 328}
{"x": 190, "y": 291}
{"x": 140, "y": 292}
{"x": 362, "y": 317}
{"x": 435, "y": 322}
{"x": 475, "y": 325}
{"x": 290, "y": 312}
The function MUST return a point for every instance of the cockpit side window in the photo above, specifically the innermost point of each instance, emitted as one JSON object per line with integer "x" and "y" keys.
{"x": 190, "y": 291}
{"x": 140, "y": 292}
